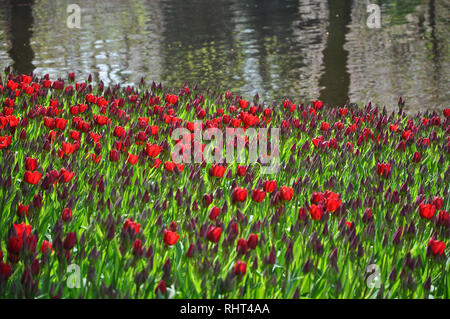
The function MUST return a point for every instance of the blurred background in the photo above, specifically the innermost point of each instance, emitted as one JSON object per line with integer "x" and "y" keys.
{"x": 303, "y": 49}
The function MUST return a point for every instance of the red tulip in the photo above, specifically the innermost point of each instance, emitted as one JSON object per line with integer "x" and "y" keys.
{"x": 22, "y": 210}
{"x": 393, "y": 128}
{"x": 67, "y": 176}
{"x": 5, "y": 271}
{"x": 15, "y": 241}
{"x": 258, "y": 195}
{"x": 170, "y": 237}
{"x": 438, "y": 202}
{"x": 333, "y": 204}
{"x": 119, "y": 131}
{"x": 75, "y": 135}
{"x": 68, "y": 148}
{"x": 66, "y": 215}
{"x": 427, "y": 211}
{"x": 70, "y": 241}
{"x": 32, "y": 177}
{"x": 5, "y": 141}
{"x": 214, "y": 213}
{"x": 217, "y": 170}
{"x": 138, "y": 249}
{"x": 383, "y": 169}
{"x": 46, "y": 246}
{"x": 30, "y": 163}
{"x": 161, "y": 287}
{"x": 132, "y": 159}
{"x": 131, "y": 224}
{"x": 100, "y": 119}
{"x": 406, "y": 135}
{"x": 252, "y": 241}
{"x": 417, "y": 157}
{"x": 437, "y": 247}
{"x": 444, "y": 218}
{"x": 242, "y": 246}
{"x": 240, "y": 268}
{"x": 243, "y": 104}
{"x": 325, "y": 126}
{"x": 152, "y": 150}
{"x": 241, "y": 170}
{"x": 239, "y": 194}
{"x": 171, "y": 99}
{"x": 317, "y": 104}
{"x": 316, "y": 211}
{"x": 60, "y": 124}
{"x": 214, "y": 233}
{"x": 170, "y": 166}
{"x": 113, "y": 155}
{"x": 269, "y": 186}
{"x": 286, "y": 193}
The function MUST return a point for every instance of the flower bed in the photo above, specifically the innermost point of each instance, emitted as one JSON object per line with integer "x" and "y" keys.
{"x": 93, "y": 204}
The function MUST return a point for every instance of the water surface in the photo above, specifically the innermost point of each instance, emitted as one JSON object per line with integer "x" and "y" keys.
{"x": 304, "y": 49}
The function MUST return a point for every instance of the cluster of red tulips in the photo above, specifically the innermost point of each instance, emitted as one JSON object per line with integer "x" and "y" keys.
{"x": 87, "y": 175}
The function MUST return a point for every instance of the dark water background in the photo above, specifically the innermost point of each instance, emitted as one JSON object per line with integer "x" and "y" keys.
{"x": 303, "y": 49}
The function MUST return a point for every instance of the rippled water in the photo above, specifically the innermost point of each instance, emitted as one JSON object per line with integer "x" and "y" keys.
{"x": 304, "y": 49}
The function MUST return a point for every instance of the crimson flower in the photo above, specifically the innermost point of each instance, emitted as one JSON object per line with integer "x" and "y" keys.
{"x": 22, "y": 210}
{"x": 243, "y": 104}
{"x": 240, "y": 268}
{"x": 239, "y": 194}
{"x": 113, "y": 155}
{"x": 325, "y": 126}
{"x": 152, "y": 150}
{"x": 32, "y": 177}
{"x": 66, "y": 215}
{"x": 161, "y": 287}
{"x": 217, "y": 170}
{"x": 438, "y": 202}
{"x": 383, "y": 169}
{"x": 214, "y": 213}
{"x": 170, "y": 237}
{"x": 131, "y": 224}
{"x": 427, "y": 211}
{"x": 258, "y": 195}
{"x": 100, "y": 119}
{"x": 15, "y": 241}
{"x": 242, "y": 246}
{"x": 444, "y": 218}
{"x": 316, "y": 211}
{"x": 214, "y": 233}
{"x": 252, "y": 241}
{"x": 241, "y": 170}
{"x": 269, "y": 186}
{"x": 170, "y": 166}
{"x": 70, "y": 241}
{"x": 417, "y": 157}
{"x": 5, "y": 141}
{"x": 5, "y": 271}
{"x": 286, "y": 193}
{"x": 67, "y": 176}
{"x": 46, "y": 246}
{"x": 437, "y": 247}
{"x": 132, "y": 159}
{"x": 30, "y": 163}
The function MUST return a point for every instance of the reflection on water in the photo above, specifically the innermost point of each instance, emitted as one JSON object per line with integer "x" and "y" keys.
{"x": 304, "y": 49}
